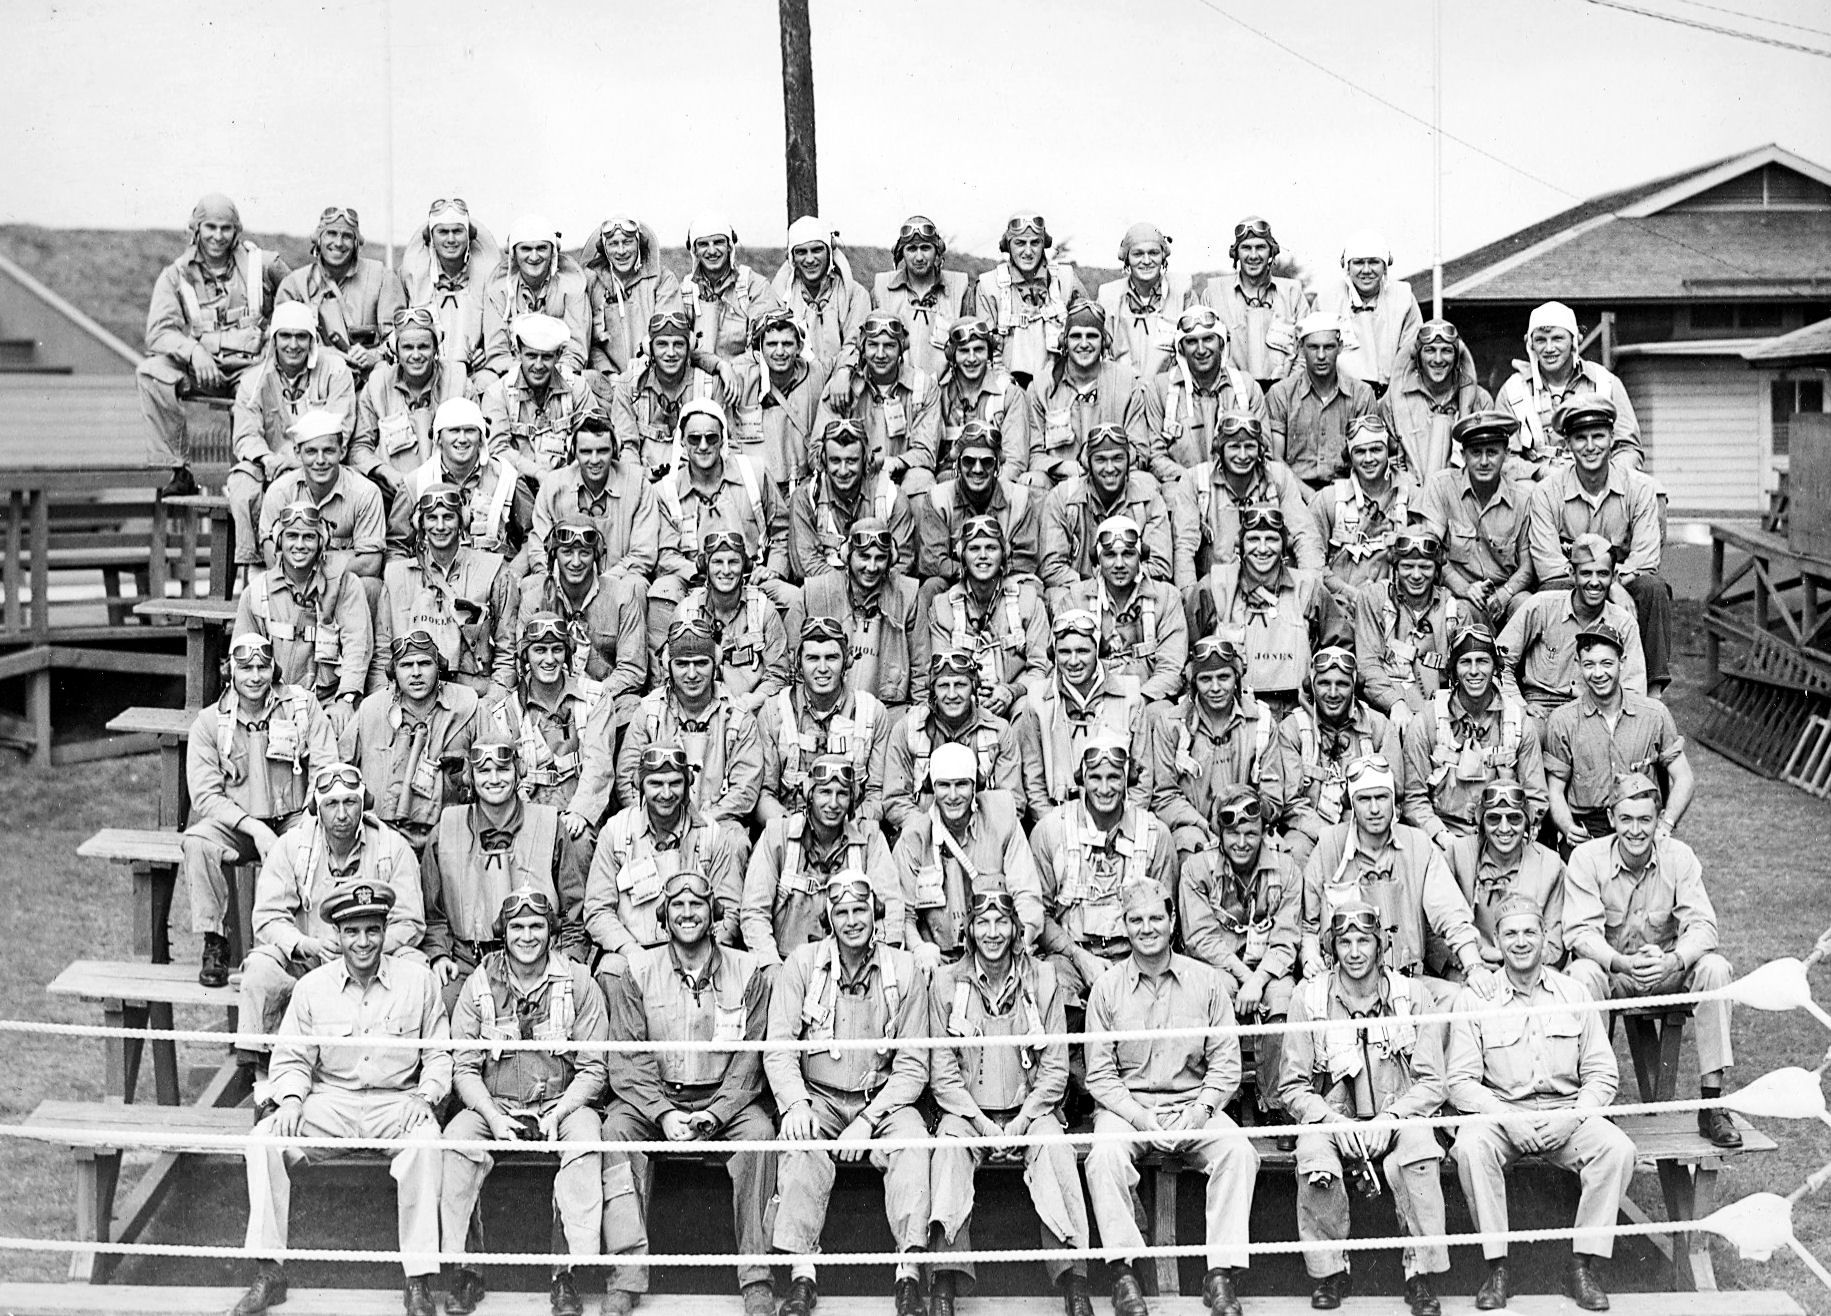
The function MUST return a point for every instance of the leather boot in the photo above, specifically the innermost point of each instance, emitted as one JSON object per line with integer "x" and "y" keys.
{"x": 759, "y": 1298}
{"x": 465, "y": 1293}
{"x": 416, "y": 1298}
{"x": 1217, "y": 1292}
{"x": 1716, "y": 1125}
{"x": 213, "y": 971}
{"x": 268, "y": 1290}
{"x": 941, "y": 1291}
{"x": 1128, "y": 1293}
{"x": 182, "y": 484}
{"x": 908, "y": 1295}
{"x": 1582, "y": 1286}
{"x": 1077, "y": 1300}
{"x": 563, "y": 1295}
{"x": 1421, "y": 1297}
{"x": 1331, "y": 1289}
{"x": 801, "y": 1299}
{"x": 1496, "y": 1288}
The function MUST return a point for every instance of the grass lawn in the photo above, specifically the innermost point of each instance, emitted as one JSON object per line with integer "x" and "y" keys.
{"x": 1762, "y": 846}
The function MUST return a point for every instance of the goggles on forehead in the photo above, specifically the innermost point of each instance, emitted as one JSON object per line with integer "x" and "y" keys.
{"x": 1022, "y": 223}
{"x": 627, "y": 226}
{"x": 1334, "y": 658}
{"x": 1261, "y": 518}
{"x": 545, "y": 630}
{"x": 688, "y": 881}
{"x": 251, "y": 650}
{"x": 1356, "y": 920}
{"x": 415, "y": 317}
{"x": 699, "y": 628}
{"x": 992, "y": 902}
{"x": 676, "y": 321}
{"x": 846, "y": 886}
{"x": 1416, "y": 543}
{"x": 500, "y": 755}
{"x": 526, "y": 900}
{"x": 1106, "y": 756}
{"x": 415, "y": 641}
{"x": 843, "y": 429}
{"x": 301, "y": 513}
{"x": 881, "y": 322}
{"x": 1197, "y": 319}
{"x": 1216, "y": 646}
{"x": 721, "y": 541}
{"x": 587, "y": 536}
{"x": 918, "y": 226}
{"x": 823, "y": 628}
{"x": 871, "y": 539}
{"x": 660, "y": 758}
{"x": 1439, "y": 331}
{"x": 1235, "y": 812}
{"x": 1114, "y": 537}
{"x": 451, "y": 500}
{"x": 1237, "y": 423}
{"x": 338, "y": 775}
{"x": 957, "y": 661}
{"x": 339, "y": 215}
{"x": 1252, "y": 228}
{"x": 779, "y": 318}
{"x": 449, "y": 202}
{"x": 1085, "y": 624}
{"x": 982, "y": 527}
{"x": 965, "y": 331}
{"x": 821, "y": 773}
{"x": 1108, "y": 434}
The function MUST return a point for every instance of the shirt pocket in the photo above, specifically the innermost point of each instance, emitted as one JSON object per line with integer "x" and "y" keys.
{"x": 1563, "y": 1043}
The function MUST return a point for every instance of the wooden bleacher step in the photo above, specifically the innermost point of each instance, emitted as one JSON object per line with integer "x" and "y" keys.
{"x": 125, "y": 1300}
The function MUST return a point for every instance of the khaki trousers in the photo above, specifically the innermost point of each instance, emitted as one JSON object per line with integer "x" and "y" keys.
{"x": 1227, "y": 1158}
{"x": 804, "y": 1179}
{"x": 1600, "y": 1155}
{"x": 1412, "y": 1171}
{"x": 1050, "y": 1173}
{"x": 1714, "y": 1049}
{"x": 577, "y": 1193}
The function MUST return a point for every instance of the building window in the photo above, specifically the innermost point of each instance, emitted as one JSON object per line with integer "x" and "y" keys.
{"x": 1788, "y": 398}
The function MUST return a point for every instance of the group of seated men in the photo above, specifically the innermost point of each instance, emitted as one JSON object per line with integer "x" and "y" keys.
{"x": 727, "y": 674}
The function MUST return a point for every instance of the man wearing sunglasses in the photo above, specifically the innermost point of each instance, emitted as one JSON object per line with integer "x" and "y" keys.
{"x": 724, "y": 298}
{"x": 1403, "y": 626}
{"x": 316, "y": 617}
{"x": 774, "y": 391}
{"x": 545, "y": 715}
{"x": 354, "y": 297}
{"x": 968, "y": 839}
{"x": 1376, "y": 1064}
{"x": 1177, "y": 1085}
{"x": 1479, "y": 512}
{"x": 1373, "y": 857}
{"x": 692, "y": 987}
{"x": 1553, "y": 375}
{"x": 498, "y": 504}
{"x": 466, "y": 598}
{"x": 248, "y": 760}
{"x": 444, "y": 268}
{"x": 610, "y": 494}
{"x": 1540, "y": 639}
{"x": 395, "y": 408}
{"x": 1025, "y": 298}
{"x": 1361, "y": 512}
{"x": 1218, "y": 737}
{"x": 815, "y": 284}
{"x": 1239, "y": 901}
{"x": 1081, "y": 391}
{"x": 953, "y": 715}
{"x": 337, "y": 841}
{"x": 646, "y": 399}
{"x": 1238, "y": 474}
{"x": 995, "y": 616}
{"x": 1144, "y": 305}
{"x": 659, "y": 835}
{"x": 1467, "y": 734}
{"x": 1144, "y": 636}
{"x": 1054, "y": 723}
{"x": 1308, "y": 412}
{"x": 529, "y": 989}
{"x": 978, "y": 489}
{"x": 928, "y": 299}
{"x": 880, "y": 610}
{"x": 1087, "y": 851}
{"x": 1501, "y": 860}
{"x": 976, "y": 387}
{"x": 1435, "y": 388}
{"x": 535, "y": 276}
{"x": 1605, "y": 731}
{"x": 817, "y": 716}
{"x": 895, "y": 404}
{"x": 752, "y": 645}
{"x": 1259, "y": 308}
{"x": 482, "y": 851}
{"x": 1379, "y": 314}
{"x": 627, "y": 286}
{"x": 1075, "y": 509}
{"x": 850, "y": 987}
{"x": 532, "y": 410}
{"x": 798, "y": 853}
{"x": 999, "y": 989}
{"x": 1279, "y": 615}
{"x": 410, "y": 735}
{"x": 1328, "y": 730}
{"x": 1184, "y": 403}
{"x": 297, "y": 379}
{"x": 841, "y": 492}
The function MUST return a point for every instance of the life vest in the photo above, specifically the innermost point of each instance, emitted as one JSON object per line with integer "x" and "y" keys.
{"x": 1338, "y": 1049}
{"x": 1349, "y": 535}
{"x": 1013, "y": 316}
{"x": 792, "y": 878}
{"x": 819, "y": 1002}
{"x": 249, "y": 262}
{"x": 1017, "y": 499}
{"x": 654, "y": 718}
{"x": 1278, "y": 646}
{"x": 423, "y": 605}
{"x": 695, "y": 301}
{"x": 1177, "y": 394}
{"x": 1146, "y": 648}
{"x": 488, "y": 520}
{"x": 964, "y": 1021}
{"x": 1115, "y": 715}
{"x": 921, "y": 749}
{"x": 639, "y": 880}
{"x": 686, "y": 1016}
{"x": 1330, "y": 779}
{"x": 883, "y": 498}
{"x": 556, "y": 1027}
{"x": 850, "y": 736}
{"x": 466, "y": 869}
{"x": 1085, "y": 910}
{"x": 1254, "y": 932}
{"x": 321, "y": 632}
{"x": 753, "y": 489}
{"x": 549, "y": 438}
{"x": 987, "y": 653}
{"x": 288, "y": 738}
{"x": 1502, "y": 757}
{"x": 1402, "y": 657}
{"x": 1186, "y": 766}
{"x": 540, "y": 766}
{"x": 995, "y": 398}
{"x": 757, "y": 608}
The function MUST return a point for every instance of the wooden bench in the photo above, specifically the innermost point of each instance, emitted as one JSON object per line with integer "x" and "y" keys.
{"x": 153, "y": 857}
{"x": 142, "y": 996}
{"x": 195, "y": 512}
{"x": 206, "y": 623}
{"x": 172, "y": 727}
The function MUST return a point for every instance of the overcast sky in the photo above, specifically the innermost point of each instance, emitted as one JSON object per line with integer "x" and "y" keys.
{"x": 1097, "y": 114}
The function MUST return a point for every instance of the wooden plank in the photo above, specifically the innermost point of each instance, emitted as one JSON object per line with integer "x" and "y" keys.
{"x": 130, "y": 980}
{"x": 23, "y": 1299}
{"x": 134, "y": 661}
{"x": 201, "y": 611}
{"x": 155, "y": 721}
{"x": 102, "y": 747}
{"x": 123, "y": 845}
{"x": 37, "y": 543}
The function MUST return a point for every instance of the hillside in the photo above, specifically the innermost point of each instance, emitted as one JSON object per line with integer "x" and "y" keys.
{"x": 109, "y": 273}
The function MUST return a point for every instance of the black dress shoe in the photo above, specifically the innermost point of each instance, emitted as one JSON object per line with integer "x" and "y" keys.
{"x": 1714, "y": 1123}
{"x": 213, "y": 971}
{"x": 182, "y": 484}
{"x": 416, "y": 1298}
{"x": 1421, "y": 1297}
{"x": 1077, "y": 1299}
{"x": 1331, "y": 1289}
{"x": 268, "y": 1290}
{"x": 563, "y": 1295}
{"x": 1582, "y": 1286}
{"x": 908, "y": 1295}
{"x": 801, "y": 1298}
{"x": 941, "y": 1293}
{"x": 1495, "y": 1289}
{"x": 1128, "y": 1293}
{"x": 1217, "y": 1292}
{"x": 466, "y": 1291}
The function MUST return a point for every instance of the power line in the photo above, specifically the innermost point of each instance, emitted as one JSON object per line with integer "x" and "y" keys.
{"x": 1758, "y": 18}
{"x": 1483, "y": 151}
{"x": 1712, "y": 27}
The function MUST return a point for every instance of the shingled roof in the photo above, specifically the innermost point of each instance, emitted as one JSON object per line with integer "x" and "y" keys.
{"x": 1808, "y": 346}
{"x": 1631, "y": 245}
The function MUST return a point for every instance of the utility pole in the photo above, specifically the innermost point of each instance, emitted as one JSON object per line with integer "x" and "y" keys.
{"x": 798, "y": 110}
{"x": 1436, "y": 170}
